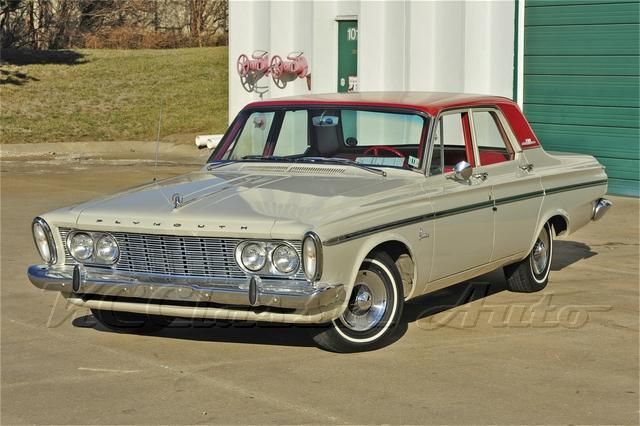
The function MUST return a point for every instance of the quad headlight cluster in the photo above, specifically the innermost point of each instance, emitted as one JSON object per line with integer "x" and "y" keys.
{"x": 280, "y": 258}
{"x": 275, "y": 258}
{"x": 93, "y": 247}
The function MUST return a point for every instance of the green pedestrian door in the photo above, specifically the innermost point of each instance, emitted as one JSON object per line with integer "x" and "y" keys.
{"x": 347, "y": 56}
{"x": 581, "y": 82}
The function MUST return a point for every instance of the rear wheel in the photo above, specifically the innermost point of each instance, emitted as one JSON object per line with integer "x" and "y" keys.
{"x": 374, "y": 309}
{"x": 130, "y": 321}
{"x": 532, "y": 273}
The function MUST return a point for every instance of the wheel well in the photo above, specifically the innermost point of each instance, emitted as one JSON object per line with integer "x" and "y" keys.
{"x": 401, "y": 255}
{"x": 559, "y": 224}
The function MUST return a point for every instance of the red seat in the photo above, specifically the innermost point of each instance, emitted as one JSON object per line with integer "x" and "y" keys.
{"x": 492, "y": 157}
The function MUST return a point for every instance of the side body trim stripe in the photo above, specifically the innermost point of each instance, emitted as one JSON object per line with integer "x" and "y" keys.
{"x": 458, "y": 210}
{"x": 576, "y": 186}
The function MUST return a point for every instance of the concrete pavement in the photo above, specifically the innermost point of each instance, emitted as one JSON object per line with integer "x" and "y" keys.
{"x": 471, "y": 354}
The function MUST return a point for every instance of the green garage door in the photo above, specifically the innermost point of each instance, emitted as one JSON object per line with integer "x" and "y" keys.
{"x": 581, "y": 82}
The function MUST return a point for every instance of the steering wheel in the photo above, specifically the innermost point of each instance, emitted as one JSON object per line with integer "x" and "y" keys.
{"x": 375, "y": 150}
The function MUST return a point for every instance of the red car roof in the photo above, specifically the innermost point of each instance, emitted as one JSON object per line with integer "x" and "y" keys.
{"x": 430, "y": 102}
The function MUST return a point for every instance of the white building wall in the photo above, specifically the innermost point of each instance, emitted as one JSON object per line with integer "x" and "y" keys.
{"x": 455, "y": 46}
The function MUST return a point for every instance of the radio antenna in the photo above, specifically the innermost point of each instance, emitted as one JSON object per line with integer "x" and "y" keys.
{"x": 155, "y": 166}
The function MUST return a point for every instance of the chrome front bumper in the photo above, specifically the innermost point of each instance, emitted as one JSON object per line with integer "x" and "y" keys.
{"x": 79, "y": 281}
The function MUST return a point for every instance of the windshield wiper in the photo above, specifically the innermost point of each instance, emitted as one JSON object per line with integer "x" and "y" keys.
{"x": 218, "y": 164}
{"x": 325, "y": 160}
{"x": 266, "y": 158}
{"x": 344, "y": 161}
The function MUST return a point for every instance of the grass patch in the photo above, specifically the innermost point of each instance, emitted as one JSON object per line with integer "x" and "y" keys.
{"x": 105, "y": 95}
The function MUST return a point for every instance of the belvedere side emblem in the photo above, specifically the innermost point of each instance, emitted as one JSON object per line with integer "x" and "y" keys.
{"x": 176, "y": 200}
{"x": 422, "y": 235}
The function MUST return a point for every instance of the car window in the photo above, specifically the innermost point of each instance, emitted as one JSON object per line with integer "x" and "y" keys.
{"x": 437, "y": 154}
{"x": 448, "y": 144}
{"x": 452, "y": 130}
{"x": 253, "y": 137}
{"x": 348, "y": 135}
{"x": 370, "y": 128}
{"x": 490, "y": 138}
{"x": 293, "y": 136}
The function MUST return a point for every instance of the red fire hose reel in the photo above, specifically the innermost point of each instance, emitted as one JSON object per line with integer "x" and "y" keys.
{"x": 252, "y": 70}
{"x": 295, "y": 66}
{"x": 282, "y": 71}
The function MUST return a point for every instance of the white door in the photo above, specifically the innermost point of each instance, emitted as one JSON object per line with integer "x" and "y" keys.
{"x": 463, "y": 221}
{"x": 516, "y": 189}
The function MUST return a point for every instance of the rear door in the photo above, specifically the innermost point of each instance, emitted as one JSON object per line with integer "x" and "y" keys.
{"x": 515, "y": 187}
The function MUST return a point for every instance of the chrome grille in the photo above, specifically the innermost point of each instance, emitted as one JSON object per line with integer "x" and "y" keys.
{"x": 177, "y": 255}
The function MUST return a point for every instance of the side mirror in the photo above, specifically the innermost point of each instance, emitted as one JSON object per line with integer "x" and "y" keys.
{"x": 463, "y": 171}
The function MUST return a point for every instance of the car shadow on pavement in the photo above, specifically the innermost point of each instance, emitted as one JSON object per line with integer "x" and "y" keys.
{"x": 257, "y": 333}
{"x": 454, "y": 296}
{"x": 435, "y": 302}
{"x": 566, "y": 253}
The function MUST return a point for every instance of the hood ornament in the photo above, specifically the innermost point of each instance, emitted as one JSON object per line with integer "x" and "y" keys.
{"x": 176, "y": 200}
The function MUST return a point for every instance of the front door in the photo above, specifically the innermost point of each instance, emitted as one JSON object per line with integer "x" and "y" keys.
{"x": 347, "y": 56}
{"x": 463, "y": 222}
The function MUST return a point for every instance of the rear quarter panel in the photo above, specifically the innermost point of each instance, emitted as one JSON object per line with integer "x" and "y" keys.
{"x": 572, "y": 182}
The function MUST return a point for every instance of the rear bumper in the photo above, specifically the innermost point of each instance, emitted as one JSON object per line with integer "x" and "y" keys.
{"x": 600, "y": 207}
{"x": 78, "y": 282}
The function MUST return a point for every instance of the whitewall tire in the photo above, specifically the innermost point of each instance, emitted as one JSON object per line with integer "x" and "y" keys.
{"x": 532, "y": 273}
{"x": 373, "y": 312}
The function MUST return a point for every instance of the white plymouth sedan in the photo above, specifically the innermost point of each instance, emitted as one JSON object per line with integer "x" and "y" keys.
{"x": 327, "y": 209}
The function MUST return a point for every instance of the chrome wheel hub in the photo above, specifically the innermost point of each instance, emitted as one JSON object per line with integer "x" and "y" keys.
{"x": 362, "y": 302}
{"x": 367, "y": 304}
{"x": 540, "y": 254}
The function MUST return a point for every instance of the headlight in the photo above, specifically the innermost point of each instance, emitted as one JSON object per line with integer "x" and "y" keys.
{"x": 107, "y": 249}
{"x": 285, "y": 259}
{"x": 253, "y": 256}
{"x": 44, "y": 241}
{"x": 312, "y": 256}
{"x": 81, "y": 246}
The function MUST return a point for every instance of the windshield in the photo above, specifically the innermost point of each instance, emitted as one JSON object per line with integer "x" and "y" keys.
{"x": 365, "y": 137}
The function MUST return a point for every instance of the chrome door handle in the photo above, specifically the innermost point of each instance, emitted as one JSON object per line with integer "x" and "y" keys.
{"x": 527, "y": 167}
{"x": 481, "y": 175}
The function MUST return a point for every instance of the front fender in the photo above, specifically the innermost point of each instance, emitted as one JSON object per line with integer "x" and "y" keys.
{"x": 356, "y": 251}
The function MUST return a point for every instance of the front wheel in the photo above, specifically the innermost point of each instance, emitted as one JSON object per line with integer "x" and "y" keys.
{"x": 374, "y": 310}
{"x": 130, "y": 321}
{"x": 532, "y": 273}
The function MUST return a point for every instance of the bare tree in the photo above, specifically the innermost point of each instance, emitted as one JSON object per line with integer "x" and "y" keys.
{"x": 206, "y": 17}
{"x": 55, "y": 24}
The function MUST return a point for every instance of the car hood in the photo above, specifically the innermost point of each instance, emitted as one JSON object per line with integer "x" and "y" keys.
{"x": 239, "y": 202}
